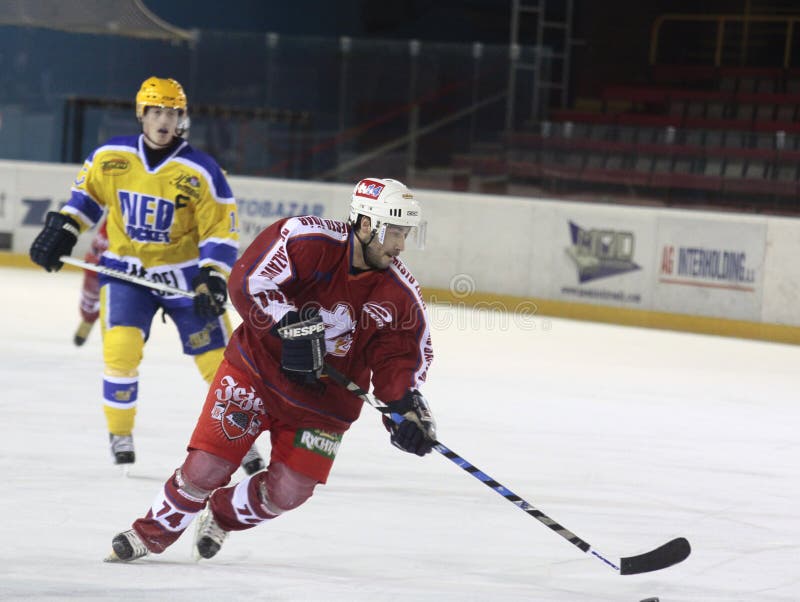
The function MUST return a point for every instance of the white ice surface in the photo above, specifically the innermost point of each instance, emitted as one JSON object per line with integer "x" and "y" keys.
{"x": 628, "y": 437}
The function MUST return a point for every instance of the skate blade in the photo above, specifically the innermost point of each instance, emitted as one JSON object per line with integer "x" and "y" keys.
{"x": 112, "y": 557}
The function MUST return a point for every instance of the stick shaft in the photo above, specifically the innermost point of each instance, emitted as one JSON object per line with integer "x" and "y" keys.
{"x": 476, "y": 472}
{"x": 164, "y": 288}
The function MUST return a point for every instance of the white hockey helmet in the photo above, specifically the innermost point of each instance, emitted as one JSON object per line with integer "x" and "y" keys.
{"x": 387, "y": 202}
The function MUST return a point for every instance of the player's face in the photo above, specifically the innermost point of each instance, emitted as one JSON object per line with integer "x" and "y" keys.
{"x": 380, "y": 255}
{"x": 159, "y": 125}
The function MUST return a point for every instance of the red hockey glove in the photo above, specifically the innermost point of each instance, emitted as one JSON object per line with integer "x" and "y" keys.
{"x": 417, "y": 433}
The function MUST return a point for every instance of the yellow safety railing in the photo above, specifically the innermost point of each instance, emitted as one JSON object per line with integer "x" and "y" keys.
{"x": 721, "y": 21}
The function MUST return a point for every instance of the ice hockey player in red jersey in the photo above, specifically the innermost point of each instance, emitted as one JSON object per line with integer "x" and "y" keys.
{"x": 89, "y": 305}
{"x": 309, "y": 291}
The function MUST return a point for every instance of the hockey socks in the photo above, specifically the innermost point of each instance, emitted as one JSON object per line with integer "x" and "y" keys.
{"x": 172, "y": 511}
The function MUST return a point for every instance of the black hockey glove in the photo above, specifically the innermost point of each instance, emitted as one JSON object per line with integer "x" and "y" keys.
{"x": 417, "y": 433}
{"x": 211, "y": 293}
{"x": 303, "y": 350}
{"x": 59, "y": 235}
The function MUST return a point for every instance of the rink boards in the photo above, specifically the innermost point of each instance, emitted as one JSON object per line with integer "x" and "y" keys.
{"x": 717, "y": 273}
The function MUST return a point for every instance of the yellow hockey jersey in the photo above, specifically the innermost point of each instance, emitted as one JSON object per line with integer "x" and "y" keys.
{"x": 164, "y": 220}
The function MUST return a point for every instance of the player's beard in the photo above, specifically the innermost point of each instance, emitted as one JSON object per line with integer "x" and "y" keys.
{"x": 376, "y": 258}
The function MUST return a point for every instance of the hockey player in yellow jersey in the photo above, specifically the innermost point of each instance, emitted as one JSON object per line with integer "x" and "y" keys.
{"x": 171, "y": 217}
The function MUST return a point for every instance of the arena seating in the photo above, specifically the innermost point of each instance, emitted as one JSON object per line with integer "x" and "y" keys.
{"x": 720, "y": 137}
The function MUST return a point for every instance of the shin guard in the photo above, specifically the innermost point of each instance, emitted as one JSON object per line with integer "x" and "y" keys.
{"x": 172, "y": 511}
{"x": 261, "y": 497}
{"x": 239, "y": 507}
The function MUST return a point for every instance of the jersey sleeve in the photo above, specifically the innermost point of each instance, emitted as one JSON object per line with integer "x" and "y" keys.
{"x": 258, "y": 281}
{"x": 217, "y": 224}
{"x": 400, "y": 354}
{"x": 86, "y": 198}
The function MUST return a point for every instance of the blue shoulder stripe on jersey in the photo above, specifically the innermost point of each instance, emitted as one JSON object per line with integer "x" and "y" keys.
{"x": 84, "y": 204}
{"x": 221, "y": 188}
{"x": 219, "y": 253}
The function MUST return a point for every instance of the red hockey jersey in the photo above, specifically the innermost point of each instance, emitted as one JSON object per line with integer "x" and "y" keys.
{"x": 376, "y": 321}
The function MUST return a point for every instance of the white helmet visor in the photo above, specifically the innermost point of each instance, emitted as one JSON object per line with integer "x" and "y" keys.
{"x": 414, "y": 235}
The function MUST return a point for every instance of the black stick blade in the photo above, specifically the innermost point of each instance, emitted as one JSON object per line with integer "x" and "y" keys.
{"x": 670, "y": 553}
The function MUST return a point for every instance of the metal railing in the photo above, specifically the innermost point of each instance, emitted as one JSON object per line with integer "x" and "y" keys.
{"x": 386, "y": 106}
{"x": 721, "y": 21}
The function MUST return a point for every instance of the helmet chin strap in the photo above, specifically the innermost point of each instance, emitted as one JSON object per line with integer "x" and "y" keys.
{"x": 364, "y": 246}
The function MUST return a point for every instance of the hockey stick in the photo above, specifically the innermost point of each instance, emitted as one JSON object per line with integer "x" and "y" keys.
{"x": 164, "y": 288}
{"x": 670, "y": 553}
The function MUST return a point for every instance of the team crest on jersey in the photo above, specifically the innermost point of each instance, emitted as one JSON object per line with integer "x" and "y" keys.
{"x": 188, "y": 184}
{"x": 339, "y": 327}
{"x": 237, "y": 408}
{"x": 236, "y": 423}
{"x": 380, "y": 314}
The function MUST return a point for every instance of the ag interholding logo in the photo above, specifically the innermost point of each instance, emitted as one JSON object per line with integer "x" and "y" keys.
{"x": 707, "y": 267}
{"x": 601, "y": 253}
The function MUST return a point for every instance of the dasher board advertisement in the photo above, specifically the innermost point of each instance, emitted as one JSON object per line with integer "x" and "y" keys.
{"x": 27, "y": 192}
{"x": 603, "y": 257}
{"x": 710, "y": 267}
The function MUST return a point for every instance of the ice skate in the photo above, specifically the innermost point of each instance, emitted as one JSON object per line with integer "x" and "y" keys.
{"x": 209, "y": 536}
{"x": 122, "y": 448}
{"x": 252, "y": 461}
{"x": 127, "y": 546}
{"x": 82, "y": 333}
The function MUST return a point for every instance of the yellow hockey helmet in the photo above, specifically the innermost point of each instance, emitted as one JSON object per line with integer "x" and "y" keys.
{"x": 160, "y": 92}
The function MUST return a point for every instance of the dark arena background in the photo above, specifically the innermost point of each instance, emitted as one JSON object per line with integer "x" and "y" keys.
{"x": 635, "y": 102}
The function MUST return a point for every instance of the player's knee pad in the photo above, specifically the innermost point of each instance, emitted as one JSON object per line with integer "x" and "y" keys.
{"x": 204, "y": 471}
{"x": 281, "y": 488}
{"x": 208, "y": 363}
{"x": 122, "y": 350}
